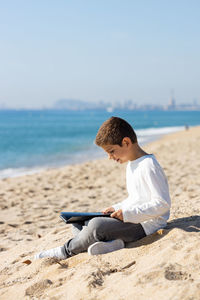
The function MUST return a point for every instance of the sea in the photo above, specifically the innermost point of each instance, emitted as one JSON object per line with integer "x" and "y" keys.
{"x": 33, "y": 140}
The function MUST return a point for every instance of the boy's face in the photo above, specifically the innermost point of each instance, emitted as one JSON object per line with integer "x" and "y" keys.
{"x": 118, "y": 153}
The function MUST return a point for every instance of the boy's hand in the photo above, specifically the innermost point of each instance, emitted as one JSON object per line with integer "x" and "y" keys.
{"x": 117, "y": 214}
{"x": 108, "y": 210}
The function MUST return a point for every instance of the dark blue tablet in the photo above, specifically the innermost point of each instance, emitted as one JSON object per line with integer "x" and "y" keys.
{"x": 78, "y": 217}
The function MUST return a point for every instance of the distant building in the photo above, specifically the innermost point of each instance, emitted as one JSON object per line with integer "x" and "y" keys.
{"x": 172, "y": 104}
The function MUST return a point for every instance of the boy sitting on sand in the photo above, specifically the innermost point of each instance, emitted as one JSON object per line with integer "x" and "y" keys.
{"x": 144, "y": 211}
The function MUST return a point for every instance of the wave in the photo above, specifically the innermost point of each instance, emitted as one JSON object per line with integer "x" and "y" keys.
{"x": 16, "y": 172}
{"x": 151, "y": 134}
{"x": 158, "y": 131}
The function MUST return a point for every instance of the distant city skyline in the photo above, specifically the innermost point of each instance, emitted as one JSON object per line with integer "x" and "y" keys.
{"x": 114, "y": 104}
{"x": 78, "y": 105}
{"x": 112, "y": 51}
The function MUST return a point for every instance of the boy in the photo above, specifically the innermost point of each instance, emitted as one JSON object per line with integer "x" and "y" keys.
{"x": 144, "y": 211}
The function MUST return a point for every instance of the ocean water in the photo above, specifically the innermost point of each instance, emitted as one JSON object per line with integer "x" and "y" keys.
{"x": 34, "y": 140}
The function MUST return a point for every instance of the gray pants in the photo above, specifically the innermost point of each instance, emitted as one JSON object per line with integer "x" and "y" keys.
{"x": 101, "y": 229}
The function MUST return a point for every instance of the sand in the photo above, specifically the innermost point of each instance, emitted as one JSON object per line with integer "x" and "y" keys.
{"x": 164, "y": 265}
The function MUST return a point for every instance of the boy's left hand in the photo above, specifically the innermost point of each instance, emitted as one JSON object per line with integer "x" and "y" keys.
{"x": 117, "y": 214}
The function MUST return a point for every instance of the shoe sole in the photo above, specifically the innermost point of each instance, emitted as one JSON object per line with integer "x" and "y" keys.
{"x": 105, "y": 247}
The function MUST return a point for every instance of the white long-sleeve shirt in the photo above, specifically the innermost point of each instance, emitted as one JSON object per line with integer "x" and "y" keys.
{"x": 148, "y": 201}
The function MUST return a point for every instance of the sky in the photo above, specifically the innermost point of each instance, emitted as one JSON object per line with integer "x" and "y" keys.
{"x": 99, "y": 50}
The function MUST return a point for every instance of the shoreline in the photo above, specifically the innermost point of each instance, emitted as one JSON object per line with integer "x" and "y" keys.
{"x": 166, "y": 260}
{"x": 95, "y": 154}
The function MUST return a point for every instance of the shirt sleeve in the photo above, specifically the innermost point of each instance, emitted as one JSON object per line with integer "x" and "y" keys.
{"x": 158, "y": 202}
{"x": 119, "y": 205}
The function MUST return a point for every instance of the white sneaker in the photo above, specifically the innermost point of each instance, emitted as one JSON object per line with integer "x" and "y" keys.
{"x": 105, "y": 247}
{"x": 57, "y": 253}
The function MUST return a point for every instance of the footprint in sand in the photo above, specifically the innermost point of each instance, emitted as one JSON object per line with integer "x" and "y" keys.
{"x": 3, "y": 249}
{"x": 175, "y": 272}
{"x": 38, "y": 288}
{"x": 28, "y": 222}
{"x": 74, "y": 201}
{"x": 13, "y": 225}
{"x": 43, "y": 227}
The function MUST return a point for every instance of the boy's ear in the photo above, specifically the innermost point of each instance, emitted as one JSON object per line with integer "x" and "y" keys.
{"x": 126, "y": 141}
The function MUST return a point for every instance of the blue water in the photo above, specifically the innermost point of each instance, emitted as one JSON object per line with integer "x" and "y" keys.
{"x": 38, "y": 139}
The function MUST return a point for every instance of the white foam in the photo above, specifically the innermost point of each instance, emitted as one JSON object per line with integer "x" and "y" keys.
{"x": 18, "y": 172}
{"x": 158, "y": 131}
{"x": 151, "y": 134}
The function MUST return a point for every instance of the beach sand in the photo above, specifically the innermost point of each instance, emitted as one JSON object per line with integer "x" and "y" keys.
{"x": 164, "y": 265}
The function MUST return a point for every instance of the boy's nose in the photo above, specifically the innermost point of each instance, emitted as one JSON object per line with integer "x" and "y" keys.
{"x": 110, "y": 156}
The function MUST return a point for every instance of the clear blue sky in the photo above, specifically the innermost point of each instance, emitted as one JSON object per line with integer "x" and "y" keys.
{"x": 99, "y": 50}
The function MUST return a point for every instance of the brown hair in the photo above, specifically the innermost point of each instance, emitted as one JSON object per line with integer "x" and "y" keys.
{"x": 113, "y": 131}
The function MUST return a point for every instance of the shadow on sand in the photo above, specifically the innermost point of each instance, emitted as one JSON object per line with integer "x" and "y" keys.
{"x": 189, "y": 224}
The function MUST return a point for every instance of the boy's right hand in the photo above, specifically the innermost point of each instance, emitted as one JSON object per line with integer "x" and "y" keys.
{"x": 108, "y": 210}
